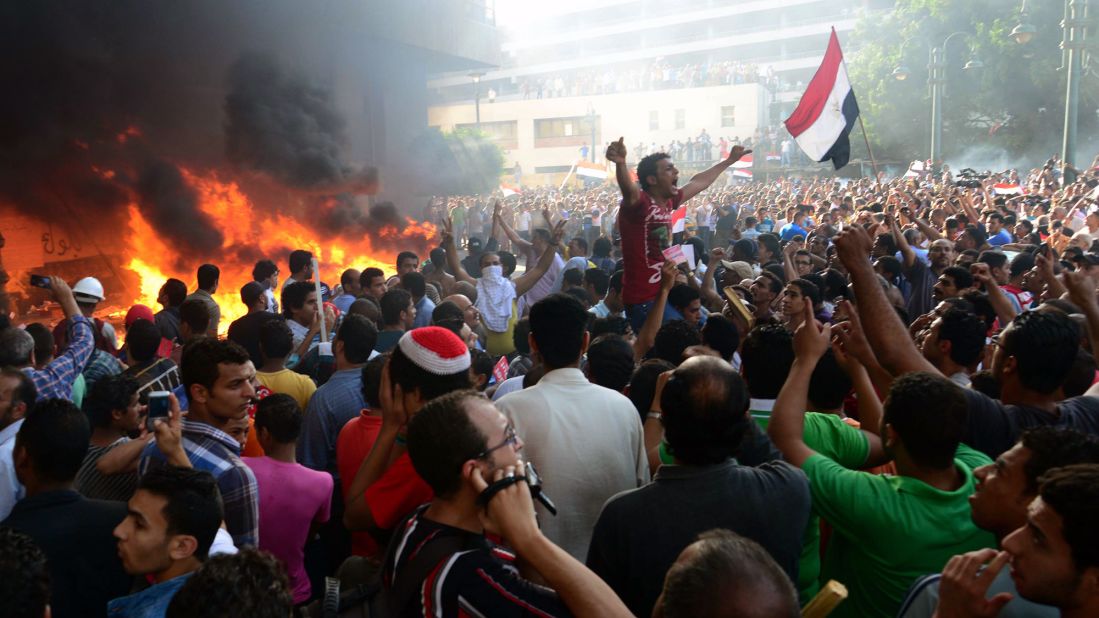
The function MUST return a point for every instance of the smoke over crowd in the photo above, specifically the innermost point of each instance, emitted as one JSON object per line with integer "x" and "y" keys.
{"x": 106, "y": 104}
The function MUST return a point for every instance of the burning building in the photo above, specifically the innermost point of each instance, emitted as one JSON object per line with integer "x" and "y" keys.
{"x": 140, "y": 139}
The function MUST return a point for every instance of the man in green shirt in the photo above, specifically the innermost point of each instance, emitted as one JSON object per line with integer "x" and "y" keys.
{"x": 887, "y": 530}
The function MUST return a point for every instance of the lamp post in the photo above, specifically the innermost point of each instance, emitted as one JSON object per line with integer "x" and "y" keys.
{"x": 591, "y": 123}
{"x": 936, "y": 79}
{"x": 477, "y": 75}
{"x": 1073, "y": 47}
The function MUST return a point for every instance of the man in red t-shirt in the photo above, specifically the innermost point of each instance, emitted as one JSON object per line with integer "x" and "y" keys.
{"x": 644, "y": 219}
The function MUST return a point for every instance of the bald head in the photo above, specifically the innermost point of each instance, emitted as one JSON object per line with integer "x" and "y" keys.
{"x": 367, "y": 308}
{"x": 465, "y": 288}
{"x": 705, "y": 405}
{"x": 469, "y": 313}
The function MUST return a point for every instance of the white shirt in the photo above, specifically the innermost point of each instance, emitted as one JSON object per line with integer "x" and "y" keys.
{"x": 588, "y": 445}
{"x": 11, "y": 490}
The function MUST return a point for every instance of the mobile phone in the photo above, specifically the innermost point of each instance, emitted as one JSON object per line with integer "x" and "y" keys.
{"x": 40, "y": 281}
{"x": 158, "y": 408}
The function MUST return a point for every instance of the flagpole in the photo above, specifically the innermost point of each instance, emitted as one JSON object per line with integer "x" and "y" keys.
{"x": 868, "y": 150}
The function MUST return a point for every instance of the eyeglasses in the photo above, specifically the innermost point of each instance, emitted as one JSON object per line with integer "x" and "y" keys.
{"x": 509, "y": 438}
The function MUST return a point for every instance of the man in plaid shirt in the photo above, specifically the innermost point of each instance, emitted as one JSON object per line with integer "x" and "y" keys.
{"x": 218, "y": 376}
{"x": 55, "y": 380}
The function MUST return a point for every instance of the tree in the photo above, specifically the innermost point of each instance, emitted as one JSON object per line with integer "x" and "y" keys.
{"x": 462, "y": 162}
{"x": 1012, "y": 108}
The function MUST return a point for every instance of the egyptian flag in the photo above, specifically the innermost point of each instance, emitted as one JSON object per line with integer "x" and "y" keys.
{"x": 679, "y": 219}
{"x": 827, "y": 111}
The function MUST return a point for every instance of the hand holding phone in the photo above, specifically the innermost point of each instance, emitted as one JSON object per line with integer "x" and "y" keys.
{"x": 40, "y": 281}
{"x": 159, "y": 405}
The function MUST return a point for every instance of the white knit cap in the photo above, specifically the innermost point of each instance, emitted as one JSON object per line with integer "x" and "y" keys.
{"x": 435, "y": 350}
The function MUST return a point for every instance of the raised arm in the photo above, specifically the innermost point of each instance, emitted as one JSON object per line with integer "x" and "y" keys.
{"x": 702, "y": 180}
{"x": 787, "y": 424}
{"x": 708, "y": 289}
{"x": 526, "y": 282}
{"x": 907, "y": 254}
{"x": 1081, "y": 291}
{"x": 788, "y": 261}
{"x": 925, "y": 227}
{"x": 647, "y": 336}
{"x": 514, "y": 237}
{"x": 451, "y": 248}
{"x": 883, "y": 327}
{"x": 616, "y": 153}
{"x": 996, "y": 297}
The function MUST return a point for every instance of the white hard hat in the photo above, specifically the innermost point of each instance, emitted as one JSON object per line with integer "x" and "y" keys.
{"x": 89, "y": 287}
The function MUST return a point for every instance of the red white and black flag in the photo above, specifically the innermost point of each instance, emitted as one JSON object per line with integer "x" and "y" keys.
{"x": 827, "y": 111}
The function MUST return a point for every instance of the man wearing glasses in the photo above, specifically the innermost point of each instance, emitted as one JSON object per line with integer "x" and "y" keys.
{"x": 446, "y": 560}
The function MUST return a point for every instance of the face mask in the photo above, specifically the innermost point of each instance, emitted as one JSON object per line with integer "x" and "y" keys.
{"x": 492, "y": 271}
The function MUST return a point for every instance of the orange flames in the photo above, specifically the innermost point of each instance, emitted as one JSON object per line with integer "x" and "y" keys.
{"x": 271, "y": 235}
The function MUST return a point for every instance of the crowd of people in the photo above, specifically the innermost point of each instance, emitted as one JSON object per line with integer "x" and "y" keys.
{"x": 574, "y": 405}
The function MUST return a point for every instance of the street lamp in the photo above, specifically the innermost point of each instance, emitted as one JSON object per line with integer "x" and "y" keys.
{"x": 477, "y": 75}
{"x": 1073, "y": 47}
{"x": 1024, "y": 31}
{"x": 936, "y": 79}
{"x": 591, "y": 123}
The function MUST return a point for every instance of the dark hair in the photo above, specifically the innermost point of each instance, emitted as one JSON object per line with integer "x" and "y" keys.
{"x": 558, "y": 323}
{"x": 770, "y": 241}
{"x": 599, "y": 280}
{"x": 648, "y": 167}
{"x": 673, "y": 338}
{"x": 142, "y": 340}
{"x": 299, "y": 259}
{"x": 194, "y": 505}
{"x": 208, "y": 275}
{"x": 438, "y": 258}
{"x": 441, "y": 437}
{"x": 615, "y": 282}
{"x": 984, "y": 382}
{"x": 194, "y": 314}
{"x": 275, "y": 339}
{"x": 520, "y": 337}
{"x": 415, "y": 283}
{"x": 745, "y": 247}
{"x": 980, "y": 306}
{"x": 279, "y": 414}
{"x": 404, "y": 255}
{"x": 580, "y": 242}
{"x": 961, "y": 277}
{"x": 481, "y": 363}
{"x": 929, "y": 413}
{"x": 372, "y": 380}
{"x": 295, "y": 295}
{"x": 1052, "y": 447}
{"x": 610, "y": 362}
{"x": 829, "y": 384}
{"x": 252, "y": 292}
{"x": 602, "y": 247}
{"x": 448, "y": 315}
{"x": 507, "y": 260}
{"x": 808, "y": 289}
{"x": 263, "y": 270}
{"x": 721, "y": 334}
{"x": 766, "y": 357}
{"x": 642, "y": 385}
{"x": 249, "y": 583}
{"x": 201, "y": 360}
{"x": 55, "y": 435}
{"x": 1021, "y": 263}
{"x": 411, "y": 377}
{"x": 887, "y": 241}
{"x": 682, "y": 295}
{"x": 43, "y": 341}
{"x": 612, "y": 325}
{"x": 994, "y": 259}
{"x": 573, "y": 277}
{"x": 394, "y": 302}
{"x": 108, "y": 394}
{"x": 976, "y": 234}
{"x": 369, "y": 273}
{"x": 1073, "y": 493}
{"x": 176, "y": 291}
{"x": 1044, "y": 346}
{"x": 24, "y": 576}
{"x": 358, "y": 336}
{"x": 726, "y": 561}
{"x": 966, "y": 334}
{"x": 1082, "y": 375}
{"x": 704, "y": 406}
{"x": 25, "y": 391}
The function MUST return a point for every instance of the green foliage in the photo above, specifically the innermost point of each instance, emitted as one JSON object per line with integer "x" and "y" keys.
{"x": 998, "y": 107}
{"x": 462, "y": 162}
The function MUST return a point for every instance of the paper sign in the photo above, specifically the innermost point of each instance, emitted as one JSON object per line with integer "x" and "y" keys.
{"x": 675, "y": 254}
{"x": 689, "y": 252}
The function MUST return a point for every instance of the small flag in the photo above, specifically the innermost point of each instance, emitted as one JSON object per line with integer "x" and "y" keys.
{"x": 827, "y": 111}
{"x": 509, "y": 190}
{"x": 591, "y": 170}
{"x": 500, "y": 370}
{"x": 774, "y": 156}
{"x": 743, "y": 162}
{"x": 679, "y": 219}
{"x": 742, "y": 174}
{"x": 1007, "y": 188}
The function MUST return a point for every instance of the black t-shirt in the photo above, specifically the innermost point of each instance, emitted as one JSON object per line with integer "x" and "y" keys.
{"x": 994, "y": 427}
{"x": 480, "y": 579}
{"x": 244, "y": 331}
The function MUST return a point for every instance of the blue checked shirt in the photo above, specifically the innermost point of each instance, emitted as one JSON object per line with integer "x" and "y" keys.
{"x": 330, "y": 408}
{"x": 55, "y": 380}
{"x": 218, "y": 453}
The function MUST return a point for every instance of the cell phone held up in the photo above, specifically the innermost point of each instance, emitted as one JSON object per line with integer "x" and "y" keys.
{"x": 159, "y": 405}
{"x": 40, "y": 281}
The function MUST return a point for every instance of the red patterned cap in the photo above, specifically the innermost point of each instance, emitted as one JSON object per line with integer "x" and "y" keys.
{"x": 435, "y": 350}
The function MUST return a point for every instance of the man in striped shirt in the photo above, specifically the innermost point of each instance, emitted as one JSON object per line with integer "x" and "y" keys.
{"x": 442, "y": 562}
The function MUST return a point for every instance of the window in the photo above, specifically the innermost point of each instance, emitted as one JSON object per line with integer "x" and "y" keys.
{"x": 504, "y": 133}
{"x": 571, "y": 131}
{"x": 728, "y": 116}
{"x": 680, "y": 118}
{"x": 654, "y": 121}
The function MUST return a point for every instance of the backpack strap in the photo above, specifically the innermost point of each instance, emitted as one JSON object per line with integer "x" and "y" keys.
{"x": 331, "y": 606}
{"x": 416, "y": 570}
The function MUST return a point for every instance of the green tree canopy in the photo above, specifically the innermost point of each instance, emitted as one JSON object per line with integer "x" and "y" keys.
{"x": 462, "y": 162}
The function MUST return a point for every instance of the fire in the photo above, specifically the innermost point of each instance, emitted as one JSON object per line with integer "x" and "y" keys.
{"x": 271, "y": 235}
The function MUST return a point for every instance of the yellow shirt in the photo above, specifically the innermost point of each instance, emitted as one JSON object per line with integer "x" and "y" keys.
{"x": 298, "y": 386}
{"x": 502, "y": 344}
